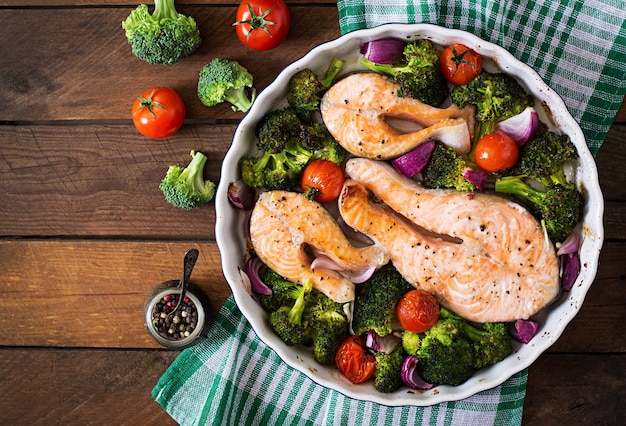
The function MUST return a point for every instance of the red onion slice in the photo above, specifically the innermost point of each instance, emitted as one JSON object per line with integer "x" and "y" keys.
{"x": 324, "y": 262}
{"x": 521, "y": 127}
{"x": 386, "y": 344}
{"x": 570, "y": 261}
{"x": 252, "y": 269}
{"x": 241, "y": 195}
{"x": 476, "y": 177}
{"x": 414, "y": 161}
{"x": 384, "y": 51}
{"x": 411, "y": 377}
{"x": 523, "y": 330}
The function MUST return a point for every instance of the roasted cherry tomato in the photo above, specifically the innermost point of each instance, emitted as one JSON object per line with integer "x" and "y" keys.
{"x": 417, "y": 311}
{"x": 322, "y": 180}
{"x": 460, "y": 64}
{"x": 159, "y": 112}
{"x": 495, "y": 152}
{"x": 354, "y": 361}
{"x": 262, "y": 24}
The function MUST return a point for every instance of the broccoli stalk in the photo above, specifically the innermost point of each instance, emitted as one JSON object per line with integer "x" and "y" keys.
{"x": 185, "y": 187}
{"x": 164, "y": 37}
{"x": 496, "y": 97}
{"x": 225, "y": 80}
{"x": 559, "y": 207}
{"x": 419, "y": 75}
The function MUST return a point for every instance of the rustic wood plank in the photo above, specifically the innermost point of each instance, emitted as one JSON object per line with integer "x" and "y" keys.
{"x": 81, "y": 387}
{"x": 575, "y": 389}
{"x": 77, "y": 78}
{"x": 91, "y": 293}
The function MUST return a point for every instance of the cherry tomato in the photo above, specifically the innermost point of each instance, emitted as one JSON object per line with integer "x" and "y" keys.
{"x": 417, "y": 311}
{"x": 323, "y": 180}
{"x": 495, "y": 152}
{"x": 460, "y": 64}
{"x": 159, "y": 112}
{"x": 353, "y": 361}
{"x": 262, "y": 24}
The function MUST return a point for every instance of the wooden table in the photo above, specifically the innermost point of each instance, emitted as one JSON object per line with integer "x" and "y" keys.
{"x": 85, "y": 233}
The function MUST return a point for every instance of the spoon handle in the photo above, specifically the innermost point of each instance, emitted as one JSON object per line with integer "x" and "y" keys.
{"x": 188, "y": 263}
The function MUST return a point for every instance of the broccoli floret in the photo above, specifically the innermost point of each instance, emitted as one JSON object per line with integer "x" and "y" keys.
{"x": 411, "y": 342}
{"x": 305, "y": 89}
{"x": 289, "y": 332}
{"x": 543, "y": 158}
{"x": 276, "y": 128}
{"x": 496, "y": 97}
{"x": 375, "y": 301}
{"x": 287, "y": 321}
{"x": 387, "y": 375}
{"x": 226, "y": 80}
{"x": 185, "y": 187}
{"x": 164, "y": 37}
{"x": 419, "y": 75}
{"x": 446, "y": 169}
{"x": 559, "y": 207}
{"x": 328, "y": 326}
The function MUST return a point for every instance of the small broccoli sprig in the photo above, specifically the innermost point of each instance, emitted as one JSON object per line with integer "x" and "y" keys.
{"x": 447, "y": 169}
{"x": 559, "y": 207}
{"x": 226, "y": 80}
{"x": 495, "y": 96}
{"x": 163, "y": 37}
{"x": 300, "y": 315}
{"x": 388, "y": 372}
{"x": 287, "y": 145}
{"x": 305, "y": 88}
{"x": 375, "y": 301}
{"x": 543, "y": 158}
{"x": 419, "y": 75}
{"x": 185, "y": 187}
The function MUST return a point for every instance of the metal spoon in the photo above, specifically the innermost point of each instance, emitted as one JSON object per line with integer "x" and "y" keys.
{"x": 188, "y": 263}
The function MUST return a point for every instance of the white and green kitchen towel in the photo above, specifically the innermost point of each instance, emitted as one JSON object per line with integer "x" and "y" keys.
{"x": 232, "y": 378}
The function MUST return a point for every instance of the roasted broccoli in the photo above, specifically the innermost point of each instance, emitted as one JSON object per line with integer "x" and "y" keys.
{"x": 185, "y": 187}
{"x": 543, "y": 158}
{"x": 446, "y": 169}
{"x": 226, "y": 80}
{"x": 387, "y": 375}
{"x": 419, "y": 75}
{"x": 491, "y": 344}
{"x": 559, "y": 207}
{"x": 286, "y": 146}
{"x": 163, "y": 37}
{"x": 496, "y": 97}
{"x": 375, "y": 301}
{"x": 305, "y": 89}
{"x": 300, "y": 315}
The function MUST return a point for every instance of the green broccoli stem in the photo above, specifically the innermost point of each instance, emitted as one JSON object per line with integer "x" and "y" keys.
{"x": 295, "y": 314}
{"x": 193, "y": 173}
{"x": 386, "y": 69}
{"x": 164, "y": 9}
{"x": 239, "y": 99}
{"x": 514, "y": 185}
{"x": 336, "y": 65}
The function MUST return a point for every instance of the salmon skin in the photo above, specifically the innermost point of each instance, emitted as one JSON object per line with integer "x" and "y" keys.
{"x": 357, "y": 112}
{"x": 482, "y": 256}
{"x": 287, "y": 230}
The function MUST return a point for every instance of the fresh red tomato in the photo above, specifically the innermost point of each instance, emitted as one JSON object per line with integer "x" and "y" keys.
{"x": 353, "y": 361}
{"x": 417, "y": 311}
{"x": 460, "y": 64}
{"x": 262, "y": 24}
{"x": 495, "y": 152}
{"x": 159, "y": 112}
{"x": 323, "y": 180}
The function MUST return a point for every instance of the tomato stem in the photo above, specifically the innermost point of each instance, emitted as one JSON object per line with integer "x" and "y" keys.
{"x": 257, "y": 21}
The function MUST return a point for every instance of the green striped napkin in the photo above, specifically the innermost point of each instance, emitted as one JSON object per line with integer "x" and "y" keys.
{"x": 578, "y": 47}
{"x": 233, "y": 378}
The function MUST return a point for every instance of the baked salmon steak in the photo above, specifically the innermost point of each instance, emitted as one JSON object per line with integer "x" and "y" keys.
{"x": 482, "y": 256}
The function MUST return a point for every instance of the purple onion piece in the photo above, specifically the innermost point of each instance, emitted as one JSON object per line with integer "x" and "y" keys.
{"x": 570, "y": 264}
{"x": 353, "y": 234}
{"x": 324, "y": 262}
{"x": 523, "y": 330}
{"x": 384, "y": 51}
{"x": 241, "y": 195}
{"x": 570, "y": 245}
{"x": 252, "y": 268}
{"x": 476, "y": 177}
{"x": 386, "y": 344}
{"x": 521, "y": 127}
{"x": 414, "y": 161}
{"x": 411, "y": 377}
